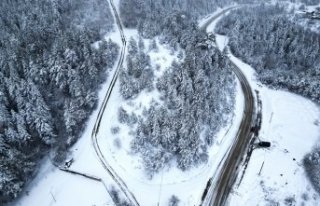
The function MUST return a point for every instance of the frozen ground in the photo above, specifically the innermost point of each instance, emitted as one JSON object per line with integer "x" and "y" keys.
{"x": 276, "y": 176}
{"x": 53, "y": 187}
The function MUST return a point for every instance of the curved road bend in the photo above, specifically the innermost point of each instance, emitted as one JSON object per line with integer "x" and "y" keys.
{"x": 123, "y": 187}
{"x": 220, "y": 189}
{"x": 205, "y": 25}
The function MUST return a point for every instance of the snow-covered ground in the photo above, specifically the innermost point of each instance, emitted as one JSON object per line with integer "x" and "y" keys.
{"x": 288, "y": 122}
{"x": 276, "y": 176}
{"x": 54, "y": 187}
{"x": 187, "y": 186}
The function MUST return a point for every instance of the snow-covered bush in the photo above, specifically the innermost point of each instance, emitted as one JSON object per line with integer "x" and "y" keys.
{"x": 138, "y": 74}
{"x": 125, "y": 118}
{"x": 115, "y": 130}
{"x": 117, "y": 199}
{"x": 311, "y": 164}
{"x": 173, "y": 201}
{"x": 117, "y": 143}
{"x": 310, "y": 2}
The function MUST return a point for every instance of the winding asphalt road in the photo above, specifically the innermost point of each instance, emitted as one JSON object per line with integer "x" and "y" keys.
{"x": 221, "y": 187}
{"x": 215, "y": 17}
{"x": 121, "y": 184}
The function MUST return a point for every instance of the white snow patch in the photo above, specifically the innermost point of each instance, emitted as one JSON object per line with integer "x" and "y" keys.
{"x": 53, "y": 187}
{"x": 221, "y": 42}
{"x": 288, "y": 123}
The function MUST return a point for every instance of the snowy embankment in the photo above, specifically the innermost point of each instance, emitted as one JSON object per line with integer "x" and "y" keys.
{"x": 276, "y": 176}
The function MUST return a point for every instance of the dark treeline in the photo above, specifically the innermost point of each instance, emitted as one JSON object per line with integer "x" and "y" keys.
{"x": 148, "y": 16}
{"x": 311, "y": 163}
{"x": 310, "y": 2}
{"x": 284, "y": 54}
{"x": 197, "y": 94}
{"x": 49, "y": 75}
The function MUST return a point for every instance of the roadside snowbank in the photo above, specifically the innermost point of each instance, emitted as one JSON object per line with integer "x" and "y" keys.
{"x": 288, "y": 122}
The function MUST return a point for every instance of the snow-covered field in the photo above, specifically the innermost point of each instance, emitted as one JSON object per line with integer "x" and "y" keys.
{"x": 276, "y": 176}
{"x": 288, "y": 122}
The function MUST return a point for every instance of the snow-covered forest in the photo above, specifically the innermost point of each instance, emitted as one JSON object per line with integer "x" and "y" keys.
{"x": 178, "y": 128}
{"x": 172, "y": 104}
{"x": 310, "y": 2}
{"x": 284, "y": 54}
{"x": 181, "y": 128}
{"x": 49, "y": 75}
{"x": 148, "y": 16}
